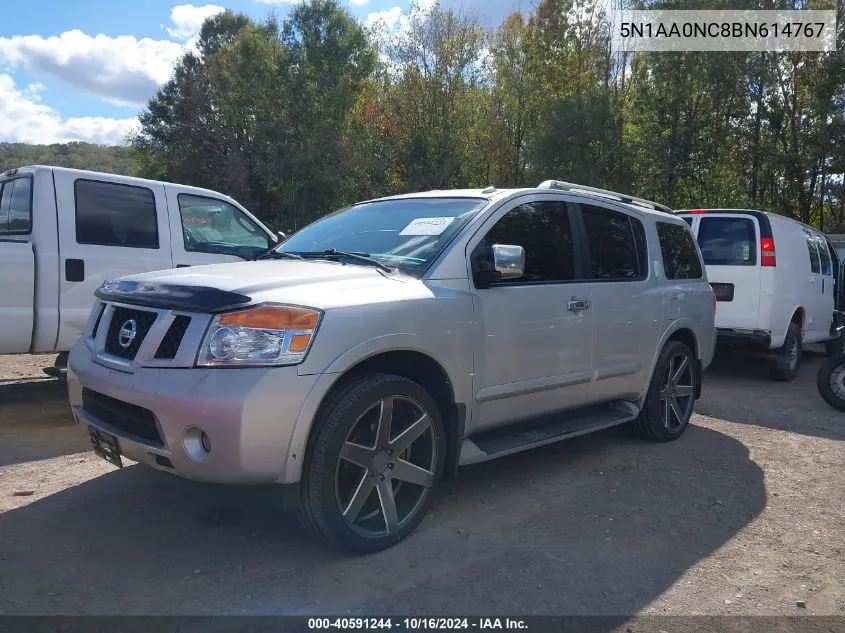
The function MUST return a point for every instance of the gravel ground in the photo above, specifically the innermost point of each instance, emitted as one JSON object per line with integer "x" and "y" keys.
{"x": 742, "y": 516}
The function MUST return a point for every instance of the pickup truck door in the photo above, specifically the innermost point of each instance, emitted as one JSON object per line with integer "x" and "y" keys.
{"x": 17, "y": 266}
{"x": 108, "y": 228}
{"x": 211, "y": 230}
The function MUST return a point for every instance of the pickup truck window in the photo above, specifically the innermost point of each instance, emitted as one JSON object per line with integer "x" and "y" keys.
{"x": 210, "y": 225}
{"x": 113, "y": 214}
{"x": 16, "y": 206}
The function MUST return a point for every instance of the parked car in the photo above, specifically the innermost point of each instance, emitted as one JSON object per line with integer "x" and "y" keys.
{"x": 777, "y": 283}
{"x": 65, "y": 231}
{"x": 395, "y": 340}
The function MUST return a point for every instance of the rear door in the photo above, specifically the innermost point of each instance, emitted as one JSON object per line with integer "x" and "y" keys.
{"x": 730, "y": 247}
{"x": 109, "y": 227}
{"x": 17, "y": 265}
{"x": 210, "y": 230}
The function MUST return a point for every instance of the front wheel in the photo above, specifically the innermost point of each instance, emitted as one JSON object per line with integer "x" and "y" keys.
{"x": 830, "y": 381}
{"x": 671, "y": 396}
{"x": 373, "y": 464}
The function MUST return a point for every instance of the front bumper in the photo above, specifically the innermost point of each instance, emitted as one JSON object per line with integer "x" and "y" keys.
{"x": 249, "y": 415}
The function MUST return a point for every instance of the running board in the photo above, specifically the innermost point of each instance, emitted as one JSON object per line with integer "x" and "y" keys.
{"x": 515, "y": 438}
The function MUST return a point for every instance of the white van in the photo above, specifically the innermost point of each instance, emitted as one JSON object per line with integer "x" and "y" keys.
{"x": 64, "y": 231}
{"x": 776, "y": 282}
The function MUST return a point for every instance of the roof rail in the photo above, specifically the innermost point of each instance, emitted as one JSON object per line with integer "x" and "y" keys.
{"x": 621, "y": 197}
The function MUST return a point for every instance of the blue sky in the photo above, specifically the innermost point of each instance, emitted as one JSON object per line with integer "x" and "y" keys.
{"x": 82, "y": 70}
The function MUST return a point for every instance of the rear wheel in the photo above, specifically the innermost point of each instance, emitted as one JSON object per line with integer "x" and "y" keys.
{"x": 830, "y": 381}
{"x": 788, "y": 359}
{"x": 671, "y": 396}
{"x": 374, "y": 463}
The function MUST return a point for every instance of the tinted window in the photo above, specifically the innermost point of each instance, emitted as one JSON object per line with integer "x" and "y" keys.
{"x": 728, "y": 241}
{"x": 16, "y": 206}
{"x": 688, "y": 220}
{"x": 680, "y": 258}
{"x": 613, "y": 248}
{"x": 824, "y": 256}
{"x": 542, "y": 229}
{"x": 407, "y": 232}
{"x": 814, "y": 253}
{"x": 210, "y": 225}
{"x": 110, "y": 214}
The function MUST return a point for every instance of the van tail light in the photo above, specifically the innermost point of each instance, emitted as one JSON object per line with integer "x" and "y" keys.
{"x": 697, "y": 211}
{"x": 714, "y": 304}
{"x": 767, "y": 252}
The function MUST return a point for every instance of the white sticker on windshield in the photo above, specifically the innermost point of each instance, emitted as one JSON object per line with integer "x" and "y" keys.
{"x": 427, "y": 226}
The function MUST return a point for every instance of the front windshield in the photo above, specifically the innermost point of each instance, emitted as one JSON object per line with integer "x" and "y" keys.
{"x": 407, "y": 232}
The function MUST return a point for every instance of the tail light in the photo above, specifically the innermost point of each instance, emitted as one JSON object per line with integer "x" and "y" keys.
{"x": 714, "y": 304}
{"x": 767, "y": 252}
{"x": 697, "y": 211}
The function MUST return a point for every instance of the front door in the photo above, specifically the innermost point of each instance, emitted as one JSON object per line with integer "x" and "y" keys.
{"x": 108, "y": 229}
{"x": 535, "y": 353}
{"x": 824, "y": 290}
{"x": 17, "y": 266}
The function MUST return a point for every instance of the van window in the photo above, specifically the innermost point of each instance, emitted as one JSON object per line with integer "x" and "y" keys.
{"x": 16, "y": 206}
{"x": 688, "y": 220}
{"x": 824, "y": 256}
{"x": 210, "y": 225}
{"x": 680, "y": 258}
{"x": 113, "y": 214}
{"x": 814, "y": 252}
{"x": 728, "y": 241}
{"x": 613, "y": 249}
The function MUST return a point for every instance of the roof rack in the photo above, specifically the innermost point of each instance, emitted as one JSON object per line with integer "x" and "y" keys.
{"x": 621, "y": 197}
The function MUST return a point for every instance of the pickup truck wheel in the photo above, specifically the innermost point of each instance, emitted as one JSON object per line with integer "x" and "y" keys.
{"x": 671, "y": 396}
{"x": 373, "y": 464}
{"x": 788, "y": 358}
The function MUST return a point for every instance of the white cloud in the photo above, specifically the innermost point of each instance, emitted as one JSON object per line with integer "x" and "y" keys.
{"x": 279, "y": 1}
{"x": 389, "y": 17}
{"x": 122, "y": 69}
{"x": 24, "y": 118}
{"x": 358, "y": 3}
{"x": 188, "y": 19}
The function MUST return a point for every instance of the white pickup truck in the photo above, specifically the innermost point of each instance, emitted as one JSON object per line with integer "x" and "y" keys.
{"x": 64, "y": 231}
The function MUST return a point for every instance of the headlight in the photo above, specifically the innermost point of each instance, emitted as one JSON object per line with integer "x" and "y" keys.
{"x": 264, "y": 335}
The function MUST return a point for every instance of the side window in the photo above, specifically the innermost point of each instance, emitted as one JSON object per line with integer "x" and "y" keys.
{"x": 680, "y": 257}
{"x": 210, "y": 225}
{"x": 16, "y": 206}
{"x": 814, "y": 253}
{"x": 824, "y": 256}
{"x": 542, "y": 229}
{"x": 613, "y": 247}
{"x": 112, "y": 214}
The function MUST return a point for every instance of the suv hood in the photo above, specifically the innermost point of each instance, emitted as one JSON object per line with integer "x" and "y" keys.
{"x": 314, "y": 283}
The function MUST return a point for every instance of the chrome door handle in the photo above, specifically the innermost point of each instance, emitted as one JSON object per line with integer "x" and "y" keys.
{"x": 576, "y": 305}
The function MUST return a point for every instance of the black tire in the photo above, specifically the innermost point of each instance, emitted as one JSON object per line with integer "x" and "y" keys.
{"x": 834, "y": 346}
{"x": 830, "y": 381}
{"x": 788, "y": 358}
{"x": 327, "y": 477}
{"x": 659, "y": 420}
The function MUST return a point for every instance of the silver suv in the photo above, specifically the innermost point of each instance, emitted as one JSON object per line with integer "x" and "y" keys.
{"x": 383, "y": 346}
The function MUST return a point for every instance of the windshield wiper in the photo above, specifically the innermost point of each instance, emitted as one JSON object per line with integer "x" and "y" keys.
{"x": 364, "y": 258}
{"x": 274, "y": 254}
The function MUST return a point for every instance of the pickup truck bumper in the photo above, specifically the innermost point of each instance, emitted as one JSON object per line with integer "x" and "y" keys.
{"x": 158, "y": 416}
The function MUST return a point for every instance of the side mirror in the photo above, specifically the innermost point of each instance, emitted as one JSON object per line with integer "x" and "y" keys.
{"x": 281, "y": 237}
{"x": 508, "y": 261}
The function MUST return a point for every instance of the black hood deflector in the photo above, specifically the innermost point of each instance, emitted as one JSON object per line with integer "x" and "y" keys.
{"x": 174, "y": 297}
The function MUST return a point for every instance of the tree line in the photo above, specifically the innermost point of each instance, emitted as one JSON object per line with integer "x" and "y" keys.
{"x": 299, "y": 117}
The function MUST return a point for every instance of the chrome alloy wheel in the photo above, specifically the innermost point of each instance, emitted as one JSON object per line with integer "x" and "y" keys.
{"x": 677, "y": 396}
{"x": 386, "y": 467}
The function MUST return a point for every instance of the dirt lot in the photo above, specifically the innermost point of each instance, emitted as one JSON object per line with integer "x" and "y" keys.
{"x": 743, "y": 515}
